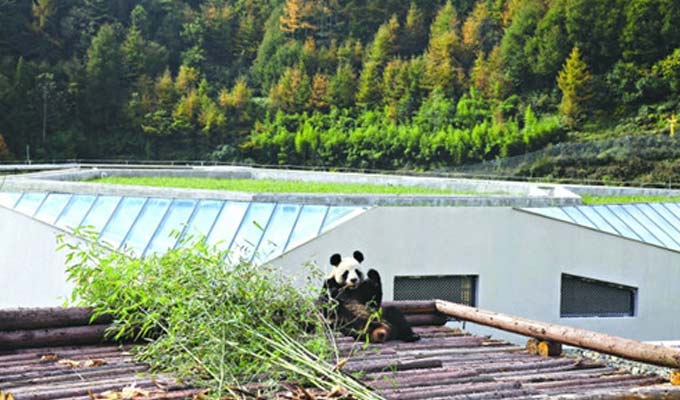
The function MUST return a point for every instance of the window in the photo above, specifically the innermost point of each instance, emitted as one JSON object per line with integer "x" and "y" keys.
{"x": 585, "y": 297}
{"x": 456, "y": 288}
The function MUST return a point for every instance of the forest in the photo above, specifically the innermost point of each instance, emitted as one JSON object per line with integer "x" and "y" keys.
{"x": 390, "y": 85}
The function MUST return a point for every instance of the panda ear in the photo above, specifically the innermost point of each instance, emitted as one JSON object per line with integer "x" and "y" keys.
{"x": 335, "y": 259}
{"x": 358, "y": 256}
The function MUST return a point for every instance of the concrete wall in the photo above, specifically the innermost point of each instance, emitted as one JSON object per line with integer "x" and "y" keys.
{"x": 519, "y": 258}
{"x": 31, "y": 270}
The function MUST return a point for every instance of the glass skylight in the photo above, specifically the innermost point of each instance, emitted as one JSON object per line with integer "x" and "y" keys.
{"x": 147, "y": 225}
{"x": 653, "y": 223}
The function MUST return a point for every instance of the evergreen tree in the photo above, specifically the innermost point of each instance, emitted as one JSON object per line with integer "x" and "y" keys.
{"x": 383, "y": 46}
{"x": 342, "y": 87}
{"x": 575, "y": 82}
{"x": 442, "y": 68}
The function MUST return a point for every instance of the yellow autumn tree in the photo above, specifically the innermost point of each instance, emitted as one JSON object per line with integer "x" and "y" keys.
{"x": 318, "y": 99}
{"x": 297, "y": 16}
{"x": 575, "y": 82}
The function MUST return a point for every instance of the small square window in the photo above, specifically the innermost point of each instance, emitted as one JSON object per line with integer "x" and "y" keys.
{"x": 585, "y": 297}
{"x": 455, "y": 288}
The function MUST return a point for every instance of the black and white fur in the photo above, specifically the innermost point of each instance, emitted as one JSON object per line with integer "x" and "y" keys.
{"x": 352, "y": 302}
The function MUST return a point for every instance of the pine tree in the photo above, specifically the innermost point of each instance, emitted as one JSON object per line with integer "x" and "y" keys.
{"x": 296, "y": 16}
{"x": 382, "y": 48}
{"x": 414, "y": 31}
{"x": 442, "y": 68}
{"x": 342, "y": 87}
{"x": 318, "y": 98}
{"x": 575, "y": 82}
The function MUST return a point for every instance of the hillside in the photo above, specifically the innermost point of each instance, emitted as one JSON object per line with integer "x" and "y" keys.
{"x": 426, "y": 85}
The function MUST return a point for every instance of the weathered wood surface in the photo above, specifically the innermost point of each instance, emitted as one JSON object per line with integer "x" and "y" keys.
{"x": 617, "y": 346}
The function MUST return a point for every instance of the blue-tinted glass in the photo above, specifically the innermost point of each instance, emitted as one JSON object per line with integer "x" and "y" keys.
{"x": 9, "y": 199}
{"x": 597, "y": 219}
{"x": 661, "y": 222}
{"x": 52, "y": 207}
{"x": 75, "y": 211}
{"x": 673, "y": 208}
{"x": 649, "y": 225}
{"x": 278, "y": 231}
{"x": 174, "y": 222}
{"x": 227, "y": 224}
{"x": 101, "y": 211}
{"x": 336, "y": 215}
{"x": 663, "y": 211}
{"x": 552, "y": 212}
{"x": 614, "y": 221}
{"x": 640, "y": 230}
{"x": 30, "y": 202}
{"x": 203, "y": 218}
{"x": 307, "y": 226}
{"x": 146, "y": 224}
{"x": 121, "y": 221}
{"x": 579, "y": 218}
{"x": 251, "y": 230}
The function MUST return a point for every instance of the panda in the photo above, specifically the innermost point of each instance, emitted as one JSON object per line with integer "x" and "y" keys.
{"x": 351, "y": 301}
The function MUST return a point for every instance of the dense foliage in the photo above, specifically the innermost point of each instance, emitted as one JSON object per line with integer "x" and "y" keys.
{"x": 221, "y": 323}
{"x": 380, "y": 84}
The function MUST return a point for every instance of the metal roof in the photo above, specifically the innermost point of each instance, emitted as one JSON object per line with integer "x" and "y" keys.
{"x": 653, "y": 223}
{"x": 147, "y": 225}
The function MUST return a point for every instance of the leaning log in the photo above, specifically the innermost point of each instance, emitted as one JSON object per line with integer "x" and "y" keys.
{"x": 51, "y": 317}
{"x": 617, "y": 346}
{"x": 75, "y": 335}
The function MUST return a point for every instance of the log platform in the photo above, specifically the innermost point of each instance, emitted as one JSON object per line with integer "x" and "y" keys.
{"x": 445, "y": 363}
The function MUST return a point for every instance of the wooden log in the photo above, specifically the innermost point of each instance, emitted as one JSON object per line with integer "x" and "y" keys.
{"x": 608, "y": 344}
{"x": 549, "y": 349}
{"x": 12, "y": 319}
{"x": 77, "y": 335}
{"x": 426, "y": 319}
{"x": 413, "y": 307}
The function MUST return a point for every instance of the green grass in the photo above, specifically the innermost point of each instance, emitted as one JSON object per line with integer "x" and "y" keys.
{"x": 592, "y": 200}
{"x": 270, "y": 186}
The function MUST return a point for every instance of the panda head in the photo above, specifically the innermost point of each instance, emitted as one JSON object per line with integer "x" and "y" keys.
{"x": 347, "y": 270}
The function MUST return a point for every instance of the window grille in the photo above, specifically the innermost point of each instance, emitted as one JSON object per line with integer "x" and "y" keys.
{"x": 455, "y": 288}
{"x": 585, "y": 297}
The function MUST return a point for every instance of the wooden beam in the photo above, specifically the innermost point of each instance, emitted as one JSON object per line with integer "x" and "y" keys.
{"x": 617, "y": 346}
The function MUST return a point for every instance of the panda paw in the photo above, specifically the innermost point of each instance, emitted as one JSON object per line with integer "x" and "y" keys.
{"x": 373, "y": 275}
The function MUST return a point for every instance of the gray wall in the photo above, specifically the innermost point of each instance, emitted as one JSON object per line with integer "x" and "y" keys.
{"x": 31, "y": 270}
{"x": 519, "y": 258}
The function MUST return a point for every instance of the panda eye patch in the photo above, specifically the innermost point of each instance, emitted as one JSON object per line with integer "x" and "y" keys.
{"x": 344, "y": 275}
{"x": 360, "y": 275}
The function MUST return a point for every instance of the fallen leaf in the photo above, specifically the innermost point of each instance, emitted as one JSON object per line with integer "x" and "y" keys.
{"x": 49, "y": 357}
{"x": 94, "y": 363}
{"x": 6, "y": 396}
{"x": 69, "y": 363}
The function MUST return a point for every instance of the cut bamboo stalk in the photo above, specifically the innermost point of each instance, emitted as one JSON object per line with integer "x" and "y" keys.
{"x": 608, "y": 344}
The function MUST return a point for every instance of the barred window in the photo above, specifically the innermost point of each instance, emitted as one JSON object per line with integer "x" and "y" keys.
{"x": 585, "y": 297}
{"x": 455, "y": 288}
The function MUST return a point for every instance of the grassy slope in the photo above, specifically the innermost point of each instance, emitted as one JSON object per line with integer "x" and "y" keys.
{"x": 267, "y": 185}
{"x": 591, "y": 200}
